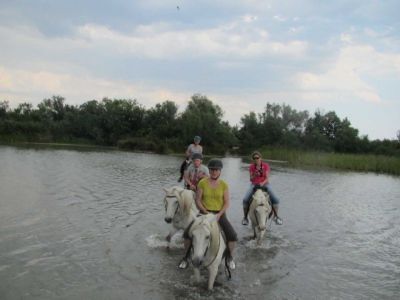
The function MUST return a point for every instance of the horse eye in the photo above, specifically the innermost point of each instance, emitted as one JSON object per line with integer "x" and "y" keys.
{"x": 207, "y": 237}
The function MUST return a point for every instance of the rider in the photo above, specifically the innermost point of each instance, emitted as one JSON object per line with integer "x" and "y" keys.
{"x": 195, "y": 147}
{"x": 212, "y": 196}
{"x": 259, "y": 176}
{"x": 195, "y": 172}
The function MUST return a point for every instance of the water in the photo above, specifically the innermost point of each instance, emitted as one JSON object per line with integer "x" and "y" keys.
{"x": 89, "y": 225}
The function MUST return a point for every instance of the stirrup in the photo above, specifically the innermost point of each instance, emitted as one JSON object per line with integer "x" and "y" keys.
{"x": 183, "y": 264}
{"x": 245, "y": 221}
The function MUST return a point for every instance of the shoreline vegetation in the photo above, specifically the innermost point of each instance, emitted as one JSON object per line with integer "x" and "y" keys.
{"x": 279, "y": 132}
{"x": 298, "y": 159}
{"x": 339, "y": 161}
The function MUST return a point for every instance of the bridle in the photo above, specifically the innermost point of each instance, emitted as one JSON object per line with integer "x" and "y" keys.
{"x": 209, "y": 244}
{"x": 177, "y": 206}
{"x": 256, "y": 215}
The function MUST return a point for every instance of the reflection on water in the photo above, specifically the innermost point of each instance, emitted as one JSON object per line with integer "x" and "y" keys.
{"x": 89, "y": 225}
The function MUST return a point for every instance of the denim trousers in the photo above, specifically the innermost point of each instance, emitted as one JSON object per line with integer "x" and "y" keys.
{"x": 250, "y": 191}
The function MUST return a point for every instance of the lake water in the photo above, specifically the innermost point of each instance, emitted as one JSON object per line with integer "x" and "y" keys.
{"x": 80, "y": 224}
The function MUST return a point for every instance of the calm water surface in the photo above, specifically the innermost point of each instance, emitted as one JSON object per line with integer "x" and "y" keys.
{"x": 89, "y": 225}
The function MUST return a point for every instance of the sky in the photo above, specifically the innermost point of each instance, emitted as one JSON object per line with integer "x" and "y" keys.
{"x": 341, "y": 56}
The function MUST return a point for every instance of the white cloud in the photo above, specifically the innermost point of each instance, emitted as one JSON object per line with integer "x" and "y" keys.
{"x": 346, "y": 77}
{"x": 158, "y": 41}
{"x": 19, "y": 86}
{"x": 249, "y": 18}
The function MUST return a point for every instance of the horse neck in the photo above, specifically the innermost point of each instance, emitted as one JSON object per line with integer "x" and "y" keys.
{"x": 216, "y": 241}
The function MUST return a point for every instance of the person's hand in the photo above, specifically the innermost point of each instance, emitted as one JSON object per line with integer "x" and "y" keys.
{"x": 218, "y": 216}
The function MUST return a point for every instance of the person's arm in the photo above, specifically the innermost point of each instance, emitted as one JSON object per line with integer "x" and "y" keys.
{"x": 252, "y": 173}
{"x": 267, "y": 170}
{"x": 204, "y": 172}
{"x": 199, "y": 196}
{"x": 189, "y": 151}
{"x": 226, "y": 204}
{"x": 186, "y": 177}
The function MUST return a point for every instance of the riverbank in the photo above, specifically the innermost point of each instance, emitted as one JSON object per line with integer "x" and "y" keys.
{"x": 339, "y": 161}
{"x": 287, "y": 157}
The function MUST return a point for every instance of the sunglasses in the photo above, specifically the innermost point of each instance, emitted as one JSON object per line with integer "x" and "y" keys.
{"x": 256, "y": 157}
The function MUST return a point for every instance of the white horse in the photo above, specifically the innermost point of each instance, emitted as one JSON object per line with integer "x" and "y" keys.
{"x": 208, "y": 246}
{"x": 180, "y": 209}
{"x": 259, "y": 212}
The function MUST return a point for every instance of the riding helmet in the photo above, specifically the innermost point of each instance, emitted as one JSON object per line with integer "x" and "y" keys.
{"x": 215, "y": 164}
{"x": 197, "y": 138}
{"x": 197, "y": 156}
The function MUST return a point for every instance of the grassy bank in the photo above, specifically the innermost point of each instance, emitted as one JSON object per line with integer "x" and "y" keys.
{"x": 354, "y": 162}
{"x": 294, "y": 158}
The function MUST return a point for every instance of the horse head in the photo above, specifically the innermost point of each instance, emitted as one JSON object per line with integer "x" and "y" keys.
{"x": 201, "y": 234}
{"x": 260, "y": 209}
{"x": 171, "y": 202}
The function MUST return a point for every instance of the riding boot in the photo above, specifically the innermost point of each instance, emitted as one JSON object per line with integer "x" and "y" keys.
{"x": 245, "y": 210}
{"x": 245, "y": 221}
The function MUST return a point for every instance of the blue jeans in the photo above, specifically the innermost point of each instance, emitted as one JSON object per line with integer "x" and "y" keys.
{"x": 250, "y": 191}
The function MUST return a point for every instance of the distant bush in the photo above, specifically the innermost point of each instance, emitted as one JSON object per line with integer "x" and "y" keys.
{"x": 142, "y": 144}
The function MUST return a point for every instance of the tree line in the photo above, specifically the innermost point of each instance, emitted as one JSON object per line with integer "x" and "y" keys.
{"x": 127, "y": 124}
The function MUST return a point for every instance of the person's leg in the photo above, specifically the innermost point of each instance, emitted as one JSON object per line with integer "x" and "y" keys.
{"x": 275, "y": 204}
{"x": 231, "y": 237}
{"x": 246, "y": 201}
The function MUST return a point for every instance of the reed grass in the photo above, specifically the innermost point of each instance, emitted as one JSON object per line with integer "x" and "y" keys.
{"x": 340, "y": 161}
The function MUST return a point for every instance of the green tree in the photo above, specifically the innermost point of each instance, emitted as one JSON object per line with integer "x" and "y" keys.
{"x": 202, "y": 117}
{"x": 161, "y": 120}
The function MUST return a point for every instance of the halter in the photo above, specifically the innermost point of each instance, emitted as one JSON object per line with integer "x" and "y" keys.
{"x": 177, "y": 207}
{"x": 262, "y": 204}
{"x": 255, "y": 215}
{"x": 205, "y": 252}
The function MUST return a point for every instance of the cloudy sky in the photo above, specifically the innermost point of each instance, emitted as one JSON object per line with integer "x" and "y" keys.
{"x": 328, "y": 55}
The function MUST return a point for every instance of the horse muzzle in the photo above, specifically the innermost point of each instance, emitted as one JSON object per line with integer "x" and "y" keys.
{"x": 168, "y": 220}
{"x": 262, "y": 228}
{"x": 197, "y": 262}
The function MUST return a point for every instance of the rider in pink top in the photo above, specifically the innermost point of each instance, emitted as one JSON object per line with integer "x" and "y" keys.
{"x": 259, "y": 174}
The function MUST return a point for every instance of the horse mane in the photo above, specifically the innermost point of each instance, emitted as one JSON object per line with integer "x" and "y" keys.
{"x": 186, "y": 201}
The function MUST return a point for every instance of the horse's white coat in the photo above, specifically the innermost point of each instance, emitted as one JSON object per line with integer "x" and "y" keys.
{"x": 259, "y": 212}
{"x": 208, "y": 246}
{"x": 180, "y": 209}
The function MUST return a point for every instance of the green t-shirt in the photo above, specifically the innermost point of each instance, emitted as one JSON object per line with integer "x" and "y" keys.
{"x": 213, "y": 198}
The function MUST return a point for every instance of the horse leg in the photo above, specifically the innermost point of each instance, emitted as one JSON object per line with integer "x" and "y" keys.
{"x": 197, "y": 274}
{"x": 212, "y": 273}
{"x": 170, "y": 235}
